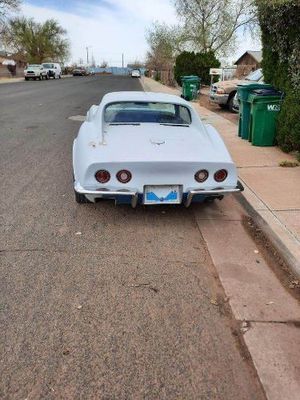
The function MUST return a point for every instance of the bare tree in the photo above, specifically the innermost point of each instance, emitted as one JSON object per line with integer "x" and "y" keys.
{"x": 6, "y": 8}
{"x": 104, "y": 64}
{"x": 136, "y": 64}
{"x": 213, "y": 25}
{"x": 165, "y": 44}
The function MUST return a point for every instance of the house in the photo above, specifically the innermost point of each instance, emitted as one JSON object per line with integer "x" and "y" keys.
{"x": 249, "y": 61}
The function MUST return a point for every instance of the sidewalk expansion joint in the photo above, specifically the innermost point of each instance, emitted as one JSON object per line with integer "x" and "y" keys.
{"x": 258, "y": 166}
{"x": 295, "y": 323}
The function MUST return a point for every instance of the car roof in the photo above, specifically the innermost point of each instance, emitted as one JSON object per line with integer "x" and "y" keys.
{"x": 143, "y": 96}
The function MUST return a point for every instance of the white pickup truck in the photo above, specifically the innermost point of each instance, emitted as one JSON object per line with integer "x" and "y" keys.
{"x": 35, "y": 71}
{"x": 223, "y": 92}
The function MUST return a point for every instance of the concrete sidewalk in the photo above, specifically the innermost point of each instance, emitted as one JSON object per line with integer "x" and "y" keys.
{"x": 268, "y": 316}
{"x": 11, "y": 80}
{"x": 21, "y": 79}
{"x": 272, "y": 193}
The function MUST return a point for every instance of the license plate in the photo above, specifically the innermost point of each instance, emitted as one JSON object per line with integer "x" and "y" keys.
{"x": 162, "y": 194}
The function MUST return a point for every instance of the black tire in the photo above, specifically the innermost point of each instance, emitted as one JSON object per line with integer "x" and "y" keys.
{"x": 47, "y": 77}
{"x": 223, "y": 106}
{"x": 230, "y": 102}
{"x": 59, "y": 76}
{"x": 54, "y": 76}
{"x": 80, "y": 198}
{"x": 26, "y": 79}
{"x": 40, "y": 77}
{"x": 210, "y": 200}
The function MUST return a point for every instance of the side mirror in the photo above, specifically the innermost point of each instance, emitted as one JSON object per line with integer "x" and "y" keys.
{"x": 91, "y": 113}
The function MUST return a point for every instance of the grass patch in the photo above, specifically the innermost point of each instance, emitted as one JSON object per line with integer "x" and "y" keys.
{"x": 289, "y": 164}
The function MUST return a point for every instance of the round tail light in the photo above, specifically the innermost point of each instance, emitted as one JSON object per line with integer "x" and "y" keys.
{"x": 102, "y": 176}
{"x": 220, "y": 175}
{"x": 201, "y": 176}
{"x": 124, "y": 176}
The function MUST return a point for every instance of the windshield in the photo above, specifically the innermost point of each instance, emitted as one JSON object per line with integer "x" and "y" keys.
{"x": 48, "y": 65}
{"x": 147, "y": 112}
{"x": 255, "y": 76}
{"x": 34, "y": 66}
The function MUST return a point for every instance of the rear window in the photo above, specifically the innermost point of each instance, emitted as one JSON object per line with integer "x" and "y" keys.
{"x": 147, "y": 112}
{"x": 255, "y": 76}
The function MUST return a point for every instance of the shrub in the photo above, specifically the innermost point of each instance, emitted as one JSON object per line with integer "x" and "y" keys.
{"x": 288, "y": 126}
{"x": 280, "y": 26}
{"x": 191, "y": 63}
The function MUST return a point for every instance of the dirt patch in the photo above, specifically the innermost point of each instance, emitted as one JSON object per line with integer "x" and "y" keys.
{"x": 204, "y": 102}
{"x": 290, "y": 282}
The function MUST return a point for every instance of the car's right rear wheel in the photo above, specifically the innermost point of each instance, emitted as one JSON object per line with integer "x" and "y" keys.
{"x": 80, "y": 198}
{"x": 230, "y": 102}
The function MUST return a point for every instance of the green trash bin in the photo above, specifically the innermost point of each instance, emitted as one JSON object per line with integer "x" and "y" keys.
{"x": 265, "y": 107}
{"x": 244, "y": 91}
{"x": 190, "y": 87}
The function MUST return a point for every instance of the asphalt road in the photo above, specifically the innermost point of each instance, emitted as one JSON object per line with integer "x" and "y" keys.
{"x": 98, "y": 301}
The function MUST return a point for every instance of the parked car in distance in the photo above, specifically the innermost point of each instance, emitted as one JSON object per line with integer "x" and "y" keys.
{"x": 223, "y": 92}
{"x": 35, "y": 71}
{"x": 91, "y": 71}
{"x": 150, "y": 148}
{"x": 135, "y": 73}
{"x": 53, "y": 70}
{"x": 80, "y": 71}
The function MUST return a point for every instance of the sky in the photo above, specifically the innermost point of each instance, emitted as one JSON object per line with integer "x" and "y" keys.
{"x": 110, "y": 28}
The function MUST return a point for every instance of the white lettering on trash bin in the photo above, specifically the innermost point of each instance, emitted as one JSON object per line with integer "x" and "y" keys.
{"x": 273, "y": 107}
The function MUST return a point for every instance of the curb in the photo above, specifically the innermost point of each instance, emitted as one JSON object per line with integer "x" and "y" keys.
{"x": 287, "y": 256}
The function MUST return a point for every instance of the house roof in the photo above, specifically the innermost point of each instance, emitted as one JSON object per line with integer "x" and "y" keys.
{"x": 257, "y": 55}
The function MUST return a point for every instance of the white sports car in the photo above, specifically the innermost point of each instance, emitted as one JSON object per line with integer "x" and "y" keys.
{"x": 150, "y": 148}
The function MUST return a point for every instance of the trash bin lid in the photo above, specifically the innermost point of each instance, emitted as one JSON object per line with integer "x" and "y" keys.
{"x": 267, "y": 92}
{"x": 190, "y": 77}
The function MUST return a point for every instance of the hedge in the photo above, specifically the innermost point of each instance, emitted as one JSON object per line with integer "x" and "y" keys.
{"x": 280, "y": 26}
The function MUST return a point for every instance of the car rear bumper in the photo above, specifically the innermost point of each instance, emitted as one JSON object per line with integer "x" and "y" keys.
{"x": 134, "y": 197}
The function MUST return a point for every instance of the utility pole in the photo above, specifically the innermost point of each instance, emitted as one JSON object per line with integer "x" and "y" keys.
{"x": 122, "y": 60}
{"x": 87, "y": 55}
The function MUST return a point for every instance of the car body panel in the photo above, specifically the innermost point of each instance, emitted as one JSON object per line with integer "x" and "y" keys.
{"x": 155, "y": 154}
